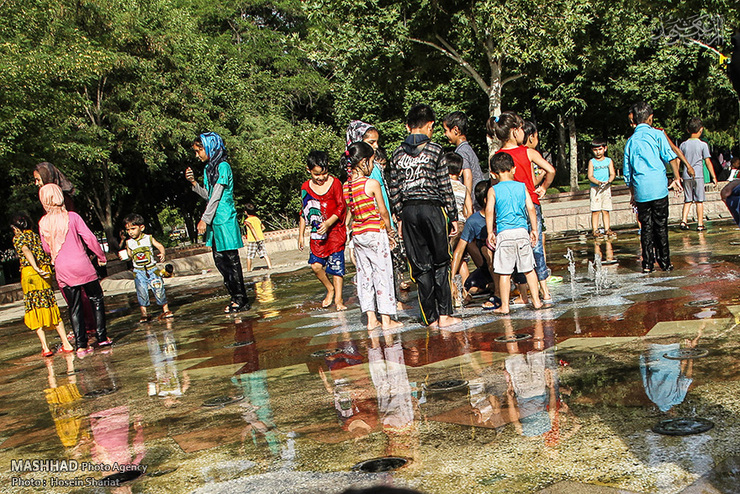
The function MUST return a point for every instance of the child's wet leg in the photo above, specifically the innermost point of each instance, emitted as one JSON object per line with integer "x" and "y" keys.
{"x": 338, "y": 299}
{"x": 532, "y": 283}
{"x": 318, "y": 270}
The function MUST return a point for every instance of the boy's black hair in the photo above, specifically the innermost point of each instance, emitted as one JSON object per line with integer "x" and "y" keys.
{"x": 249, "y": 207}
{"x": 694, "y": 125}
{"x": 317, "y": 159}
{"x": 501, "y": 162}
{"x": 735, "y": 161}
{"x": 641, "y": 111}
{"x": 481, "y": 191}
{"x": 419, "y": 116}
{"x": 457, "y": 119}
{"x": 381, "y": 155}
{"x": 134, "y": 219}
{"x": 597, "y": 142}
{"x": 530, "y": 129}
{"x": 454, "y": 162}
{"x": 21, "y": 221}
{"x": 502, "y": 125}
{"x": 358, "y": 151}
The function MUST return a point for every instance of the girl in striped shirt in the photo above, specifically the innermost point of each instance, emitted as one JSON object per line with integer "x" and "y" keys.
{"x": 373, "y": 238}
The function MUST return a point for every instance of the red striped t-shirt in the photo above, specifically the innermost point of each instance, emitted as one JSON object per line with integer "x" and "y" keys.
{"x": 366, "y": 216}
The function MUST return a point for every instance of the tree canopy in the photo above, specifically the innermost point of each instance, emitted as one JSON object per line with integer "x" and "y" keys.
{"x": 114, "y": 92}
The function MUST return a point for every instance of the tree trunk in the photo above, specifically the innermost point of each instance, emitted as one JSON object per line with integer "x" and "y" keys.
{"x": 573, "y": 154}
{"x": 494, "y": 105}
{"x": 561, "y": 143}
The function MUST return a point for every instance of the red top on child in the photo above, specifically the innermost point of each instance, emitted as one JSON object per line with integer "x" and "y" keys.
{"x": 523, "y": 172}
{"x": 319, "y": 208}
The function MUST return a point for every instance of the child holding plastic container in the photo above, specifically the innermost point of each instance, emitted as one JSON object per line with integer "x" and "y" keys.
{"x": 323, "y": 209}
{"x": 140, "y": 248}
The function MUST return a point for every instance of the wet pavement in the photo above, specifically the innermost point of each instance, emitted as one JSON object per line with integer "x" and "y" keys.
{"x": 290, "y": 397}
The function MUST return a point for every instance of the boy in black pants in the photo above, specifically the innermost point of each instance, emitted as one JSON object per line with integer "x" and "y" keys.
{"x": 421, "y": 197}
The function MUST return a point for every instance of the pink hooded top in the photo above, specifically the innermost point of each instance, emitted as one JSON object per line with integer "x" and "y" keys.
{"x": 64, "y": 235}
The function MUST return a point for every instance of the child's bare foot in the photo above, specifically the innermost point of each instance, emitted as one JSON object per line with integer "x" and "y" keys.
{"x": 445, "y": 321}
{"x": 537, "y": 305}
{"x": 340, "y": 305}
{"x": 392, "y": 324}
{"x": 501, "y": 311}
{"x": 328, "y": 299}
{"x": 373, "y": 325}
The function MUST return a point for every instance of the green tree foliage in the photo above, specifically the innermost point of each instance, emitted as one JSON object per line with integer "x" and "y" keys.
{"x": 114, "y": 91}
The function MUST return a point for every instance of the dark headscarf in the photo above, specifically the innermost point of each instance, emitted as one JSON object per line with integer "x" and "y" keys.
{"x": 356, "y": 130}
{"x": 50, "y": 174}
{"x": 215, "y": 149}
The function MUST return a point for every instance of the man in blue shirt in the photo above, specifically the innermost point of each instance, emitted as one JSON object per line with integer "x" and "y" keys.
{"x": 645, "y": 156}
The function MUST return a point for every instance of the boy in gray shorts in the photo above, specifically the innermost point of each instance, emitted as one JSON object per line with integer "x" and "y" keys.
{"x": 510, "y": 208}
{"x": 697, "y": 154}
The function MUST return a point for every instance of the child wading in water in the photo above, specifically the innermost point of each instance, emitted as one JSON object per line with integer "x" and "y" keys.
{"x": 373, "y": 237}
{"x": 219, "y": 223}
{"x": 64, "y": 235}
{"x": 323, "y": 208}
{"x": 508, "y": 210}
{"x": 41, "y": 308}
{"x": 140, "y": 251}
{"x": 507, "y": 127}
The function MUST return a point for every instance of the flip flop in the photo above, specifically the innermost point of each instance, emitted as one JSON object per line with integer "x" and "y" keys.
{"x": 492, "y": 303}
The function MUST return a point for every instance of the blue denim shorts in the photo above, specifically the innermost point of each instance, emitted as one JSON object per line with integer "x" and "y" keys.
{"x": 144, "y": 279}
{"x": 334, "y": 263}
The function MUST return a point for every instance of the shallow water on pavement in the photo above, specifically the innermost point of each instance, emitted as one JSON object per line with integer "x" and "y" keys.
{"x": 288, "y": 397}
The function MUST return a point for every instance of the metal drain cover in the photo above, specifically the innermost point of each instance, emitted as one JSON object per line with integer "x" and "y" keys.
{"x": 384, "y": 464}
{"x": 238, "y": 344}
{"x": 222, "y": 401}
{"x": 446, "y": 386}
{"x": 517, "y": 337}
{"x": 325, "y": 353}
{"x": 164, "y": 471}
{"x": 121, "y": 477}
{"x": 99, "y": 392}
{"x": 683, "y": 426}
{"x": 686, "y": 353}
{"x": 702, "y": 303}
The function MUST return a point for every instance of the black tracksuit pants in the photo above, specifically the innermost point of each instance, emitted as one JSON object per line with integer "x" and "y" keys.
{"x": 73, "y": 295}
{"x": 424, "y": 228}
{"x": 653, "y": 216}
{"x": 230, "y": 266}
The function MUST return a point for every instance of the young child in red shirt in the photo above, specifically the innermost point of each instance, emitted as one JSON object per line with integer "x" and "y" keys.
{"x": 323, "y": 209}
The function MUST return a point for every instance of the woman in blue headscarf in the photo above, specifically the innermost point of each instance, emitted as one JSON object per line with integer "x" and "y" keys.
{"x": 219, "y": 222}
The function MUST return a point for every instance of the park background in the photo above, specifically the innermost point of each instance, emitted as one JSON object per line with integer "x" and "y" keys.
{"x": 114, "y": 91}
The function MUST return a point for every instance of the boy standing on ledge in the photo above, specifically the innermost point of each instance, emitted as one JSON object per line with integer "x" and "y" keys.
{"x": 422, "y": 199}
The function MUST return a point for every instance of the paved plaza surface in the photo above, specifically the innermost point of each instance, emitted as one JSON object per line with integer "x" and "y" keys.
{"x": 289, "y": 397}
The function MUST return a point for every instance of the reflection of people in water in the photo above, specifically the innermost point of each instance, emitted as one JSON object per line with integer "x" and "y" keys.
{"x": 667, "y": 381}
{"x": 65, "y": 403}
{"x": 256, "y": 410}
{"x": 110, "y": 431}
{"x": 609, "y": 251}
{"x": 534, "y": 393}
{"x": 167, "y": 383}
